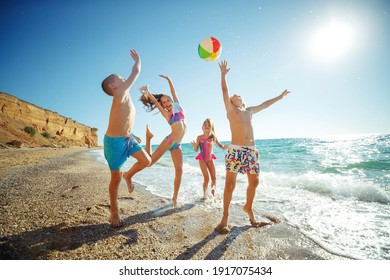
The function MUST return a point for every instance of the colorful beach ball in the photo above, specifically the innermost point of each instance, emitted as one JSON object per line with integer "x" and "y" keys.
{"x": 209, "y": 49}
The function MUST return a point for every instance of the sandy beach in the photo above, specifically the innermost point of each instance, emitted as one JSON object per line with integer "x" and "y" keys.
{"x": 54, "y": 206}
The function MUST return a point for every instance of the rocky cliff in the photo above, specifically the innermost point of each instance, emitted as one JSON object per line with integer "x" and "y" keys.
{"x": 51, "y": 129}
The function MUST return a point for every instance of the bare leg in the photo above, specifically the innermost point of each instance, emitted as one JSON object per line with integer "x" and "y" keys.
{"x": 177, "y": 158}
{"x": 211, "y": 168}
{"x": 161, "y": 149}
{"x": 149, "y": 136}
{"x": 143, "y": 160}
{"x": 230, "y": 184}
{"x": 253, "y": 182}
{"x": 115, "y": 219}
{"x": 205, "y": 173}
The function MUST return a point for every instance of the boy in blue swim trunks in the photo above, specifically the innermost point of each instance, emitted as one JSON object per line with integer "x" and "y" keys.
{"x": 242, "y": 156}
{"x": 119, "y": 142}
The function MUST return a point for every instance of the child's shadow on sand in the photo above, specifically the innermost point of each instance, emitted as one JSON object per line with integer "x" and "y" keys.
{"x": 219, "y": 250}
{"x": 38, "y": 244}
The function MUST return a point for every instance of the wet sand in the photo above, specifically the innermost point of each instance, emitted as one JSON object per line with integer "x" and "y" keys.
{"x": 55, "y": 206}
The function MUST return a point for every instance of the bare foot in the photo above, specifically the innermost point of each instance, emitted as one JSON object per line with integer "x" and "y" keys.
{"x": 249, "y": 211}
{"x": 222, "y": 229}
{"x": 116, "y": 221}
{"x": 252, "y": 218}
{"x": 129, "y": 183}
{"x": 213, "y": 190}
{"x": 149, "y": 134}
{"x": 175, "y": 204}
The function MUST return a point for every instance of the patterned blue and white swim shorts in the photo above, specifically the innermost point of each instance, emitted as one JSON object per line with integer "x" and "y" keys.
{"x": 242, "y": 159}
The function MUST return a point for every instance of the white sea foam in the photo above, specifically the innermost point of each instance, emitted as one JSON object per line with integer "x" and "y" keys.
{"x": 335, "y": 190}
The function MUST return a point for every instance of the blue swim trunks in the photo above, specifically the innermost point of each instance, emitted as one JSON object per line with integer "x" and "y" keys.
{"x": 118, "y": 149}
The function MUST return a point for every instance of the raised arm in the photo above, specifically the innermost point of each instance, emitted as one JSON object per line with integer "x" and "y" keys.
{"x": 135, "y": 71}
{"x": 151, "y": 97}
{"x": 172, "y": 88}
{"x": 266, "y": 104}
{"x": 223, "y": 65}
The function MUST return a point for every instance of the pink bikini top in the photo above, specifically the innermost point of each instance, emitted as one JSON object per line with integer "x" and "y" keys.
{"x": 177, "y": 113}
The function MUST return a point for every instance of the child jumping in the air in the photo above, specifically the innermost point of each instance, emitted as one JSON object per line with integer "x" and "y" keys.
{"x": 174, "y": 114}
{"x": 119, "y": 142}
{"x": 206, "y": 157}
{"x": 242, "y": 155}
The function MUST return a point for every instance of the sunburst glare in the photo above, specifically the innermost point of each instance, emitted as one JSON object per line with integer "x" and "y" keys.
{"x": 332, "y": 41}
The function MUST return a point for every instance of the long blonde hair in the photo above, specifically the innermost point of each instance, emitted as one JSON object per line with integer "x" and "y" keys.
{"x": 212, "y": 128}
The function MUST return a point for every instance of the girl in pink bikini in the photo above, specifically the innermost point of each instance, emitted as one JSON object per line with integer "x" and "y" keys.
{"x": 206, "y": 157}
{"x": 174, "y": 115}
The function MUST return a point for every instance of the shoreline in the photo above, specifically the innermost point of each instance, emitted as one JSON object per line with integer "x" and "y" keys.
{"x": 55, "y": 206}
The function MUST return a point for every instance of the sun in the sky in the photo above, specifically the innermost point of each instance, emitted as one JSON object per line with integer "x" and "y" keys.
{"x": 331, "y": 41}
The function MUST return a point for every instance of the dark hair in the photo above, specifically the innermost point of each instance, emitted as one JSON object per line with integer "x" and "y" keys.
{"x": 148, "y": 104}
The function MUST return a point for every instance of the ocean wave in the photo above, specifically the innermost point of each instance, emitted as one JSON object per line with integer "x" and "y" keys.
{"x": 331, "y": 185}
{"x": 377, "y": 165}
{"x": 335, "y": 190}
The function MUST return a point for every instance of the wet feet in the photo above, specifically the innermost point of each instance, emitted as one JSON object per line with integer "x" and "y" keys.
{"x": 213, "y": 190}
{"x": 222, "y": 229}
{"x": 249, "y": 211}
{"x": 176, "y": 204}
{"x": 252, "y": 219}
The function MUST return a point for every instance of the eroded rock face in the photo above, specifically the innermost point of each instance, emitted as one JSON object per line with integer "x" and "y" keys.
{"x": 15, "y": 114}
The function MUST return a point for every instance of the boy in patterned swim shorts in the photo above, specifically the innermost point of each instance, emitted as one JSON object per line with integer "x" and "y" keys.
{"x": 242, "y": 156}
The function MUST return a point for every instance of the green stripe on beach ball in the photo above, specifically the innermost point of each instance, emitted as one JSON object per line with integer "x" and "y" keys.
{"x": 203, "y": 53}
{"x": 209, "y": 49}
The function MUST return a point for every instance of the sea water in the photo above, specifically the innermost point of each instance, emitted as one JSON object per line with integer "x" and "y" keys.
{"x": 336, "y": 190}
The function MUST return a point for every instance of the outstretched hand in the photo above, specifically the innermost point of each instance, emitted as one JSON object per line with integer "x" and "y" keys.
{"x": 165, "y": 77}
{"x": 223, "y": 65}
{"x": 145, "y": 91}
{"x": 284, "y": 93}
{"x": 194, "y": 145}
{"x": 134, "y": 55}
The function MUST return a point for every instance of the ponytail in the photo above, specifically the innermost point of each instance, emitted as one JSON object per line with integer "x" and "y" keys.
{"x": 148, "y": 104}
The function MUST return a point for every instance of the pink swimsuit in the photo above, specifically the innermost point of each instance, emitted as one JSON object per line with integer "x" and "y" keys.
{"x": 206, "y": 148}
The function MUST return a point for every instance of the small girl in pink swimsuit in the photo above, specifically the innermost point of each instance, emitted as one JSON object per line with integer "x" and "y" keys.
{"x": 206, "y": 143}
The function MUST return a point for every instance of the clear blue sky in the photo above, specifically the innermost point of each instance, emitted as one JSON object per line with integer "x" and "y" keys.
{"x": 332, "y": 55}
